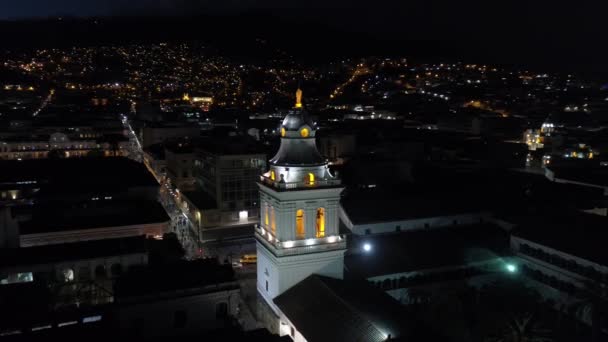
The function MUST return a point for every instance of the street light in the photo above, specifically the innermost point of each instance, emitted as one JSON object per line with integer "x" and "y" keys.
{"x": 367, "y": 247}
{"x": 511, "y": 268}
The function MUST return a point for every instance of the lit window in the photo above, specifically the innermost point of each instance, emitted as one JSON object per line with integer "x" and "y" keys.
{"x": 311, "y": 179}
{"x": 304, "y": 132}
{"x": 272, "y": 175}
{"x": 300, "y": 224}
{"x": 266, "y": 215}
{"x": 273, "y": 221}
{"x": 283, "y": 132}
{"x": 320, "y": 222}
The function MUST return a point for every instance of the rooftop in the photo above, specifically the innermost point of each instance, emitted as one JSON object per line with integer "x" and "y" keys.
{"x": 56, "y": 218}
{"x": 382, "y": 205}
{"x": 77, "y": 173}
{"x": 327, "y": 309}
{"x": 183, "y": 275}
{"x": 572, "y": 232}
{"x": 585, "y": 173}
{"x": 72, "y": 251}
{"x": 426, "y": 249}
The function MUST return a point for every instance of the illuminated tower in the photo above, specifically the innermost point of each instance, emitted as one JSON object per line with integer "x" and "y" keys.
{"x": 298, "y": 232}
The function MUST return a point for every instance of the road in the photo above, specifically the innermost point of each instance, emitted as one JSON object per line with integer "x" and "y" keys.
{"x": 45, "y": 102}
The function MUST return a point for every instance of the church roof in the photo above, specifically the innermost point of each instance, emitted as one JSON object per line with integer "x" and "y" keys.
{"x": 295, "y": 152}
{"x": 327, "y": 309}
{"x": 296, "y": 119}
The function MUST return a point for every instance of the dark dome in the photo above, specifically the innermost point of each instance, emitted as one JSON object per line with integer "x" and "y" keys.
{"x": 296, "y": 152}
{"x": 296, "y": 119}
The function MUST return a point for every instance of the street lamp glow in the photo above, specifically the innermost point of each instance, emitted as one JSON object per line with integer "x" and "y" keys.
{"x": 367, "y": 247}
{"x": 511, "y": 268}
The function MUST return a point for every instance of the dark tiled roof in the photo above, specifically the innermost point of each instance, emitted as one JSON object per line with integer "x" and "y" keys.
{"x": 72, "y": 251}
{"x": 54, "y": 218}
{"x": 575, "y": 233}
{"x": 327, "y": 309}
{"x": 77, "y": 173}
{"x": 426, "y": 249}
{"x": 183, "y": 275}
{"x": 595, "y": 175}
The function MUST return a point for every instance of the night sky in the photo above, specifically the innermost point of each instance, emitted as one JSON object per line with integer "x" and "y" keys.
{"x": 572, "y": 33}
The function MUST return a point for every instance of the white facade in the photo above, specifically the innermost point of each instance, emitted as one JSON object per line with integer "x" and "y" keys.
{"x": 285, "y": 255}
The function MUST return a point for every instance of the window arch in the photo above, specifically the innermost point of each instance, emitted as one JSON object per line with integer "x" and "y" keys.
{"x": 300, "y": 230}
{"x": 320, "y": 226}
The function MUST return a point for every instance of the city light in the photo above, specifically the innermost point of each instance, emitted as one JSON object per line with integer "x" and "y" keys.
{"x": 367, "y": 247}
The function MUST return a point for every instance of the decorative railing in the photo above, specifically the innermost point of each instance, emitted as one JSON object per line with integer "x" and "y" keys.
{"x": 304, "y": 246}
{"x": 300, "y": 185}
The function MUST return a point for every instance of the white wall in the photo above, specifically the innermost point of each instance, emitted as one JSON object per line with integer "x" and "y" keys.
{"x": 282, "y": 273}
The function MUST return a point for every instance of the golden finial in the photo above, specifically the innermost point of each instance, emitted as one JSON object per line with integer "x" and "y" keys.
{"x": 299, "y": 98}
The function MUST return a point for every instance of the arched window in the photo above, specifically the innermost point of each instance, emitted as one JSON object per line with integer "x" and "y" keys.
{"x": 310, "y": 179}
{"x": 273, "y": 221}
{"x": 300, "y": 233}
{"x": 272, "y": 175}
{"x": 320, "y": 222}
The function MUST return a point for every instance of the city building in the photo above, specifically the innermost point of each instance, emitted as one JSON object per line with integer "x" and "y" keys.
{"x": 153, "y": 132}
{"x": 225, "y": 171}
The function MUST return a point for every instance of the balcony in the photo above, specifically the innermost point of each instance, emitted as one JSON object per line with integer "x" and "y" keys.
{"x": 296, "y": 247}
{"x": 319, "y": 183}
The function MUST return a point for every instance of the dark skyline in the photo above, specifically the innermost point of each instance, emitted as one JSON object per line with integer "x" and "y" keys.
{"x": 568, "y": 37}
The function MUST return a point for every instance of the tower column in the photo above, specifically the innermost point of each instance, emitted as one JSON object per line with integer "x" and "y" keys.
{"x": 310, "y": 219}
{"x": 331, "y": 217}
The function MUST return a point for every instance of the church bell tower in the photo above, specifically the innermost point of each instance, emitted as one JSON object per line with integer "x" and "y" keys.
{"x": 298, "y": 231}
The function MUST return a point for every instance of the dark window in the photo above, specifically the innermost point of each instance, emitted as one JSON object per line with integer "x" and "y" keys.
{"x": 455, "y": 222}
{"x": 180, "y": 319}
{"x": 100, "y": 271}
{"x": 221, "y": 310}
{"x": 116, "y": 270}
{"x": 137, "y": 326}
{"x": 266, "y": 285}
{"x": 185, "y": 174}
{"x": 368, "y": 231}
{"x": 293, "y": 332}
{"x": 398, "y": 228}
{"x": 426, "y": 225}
